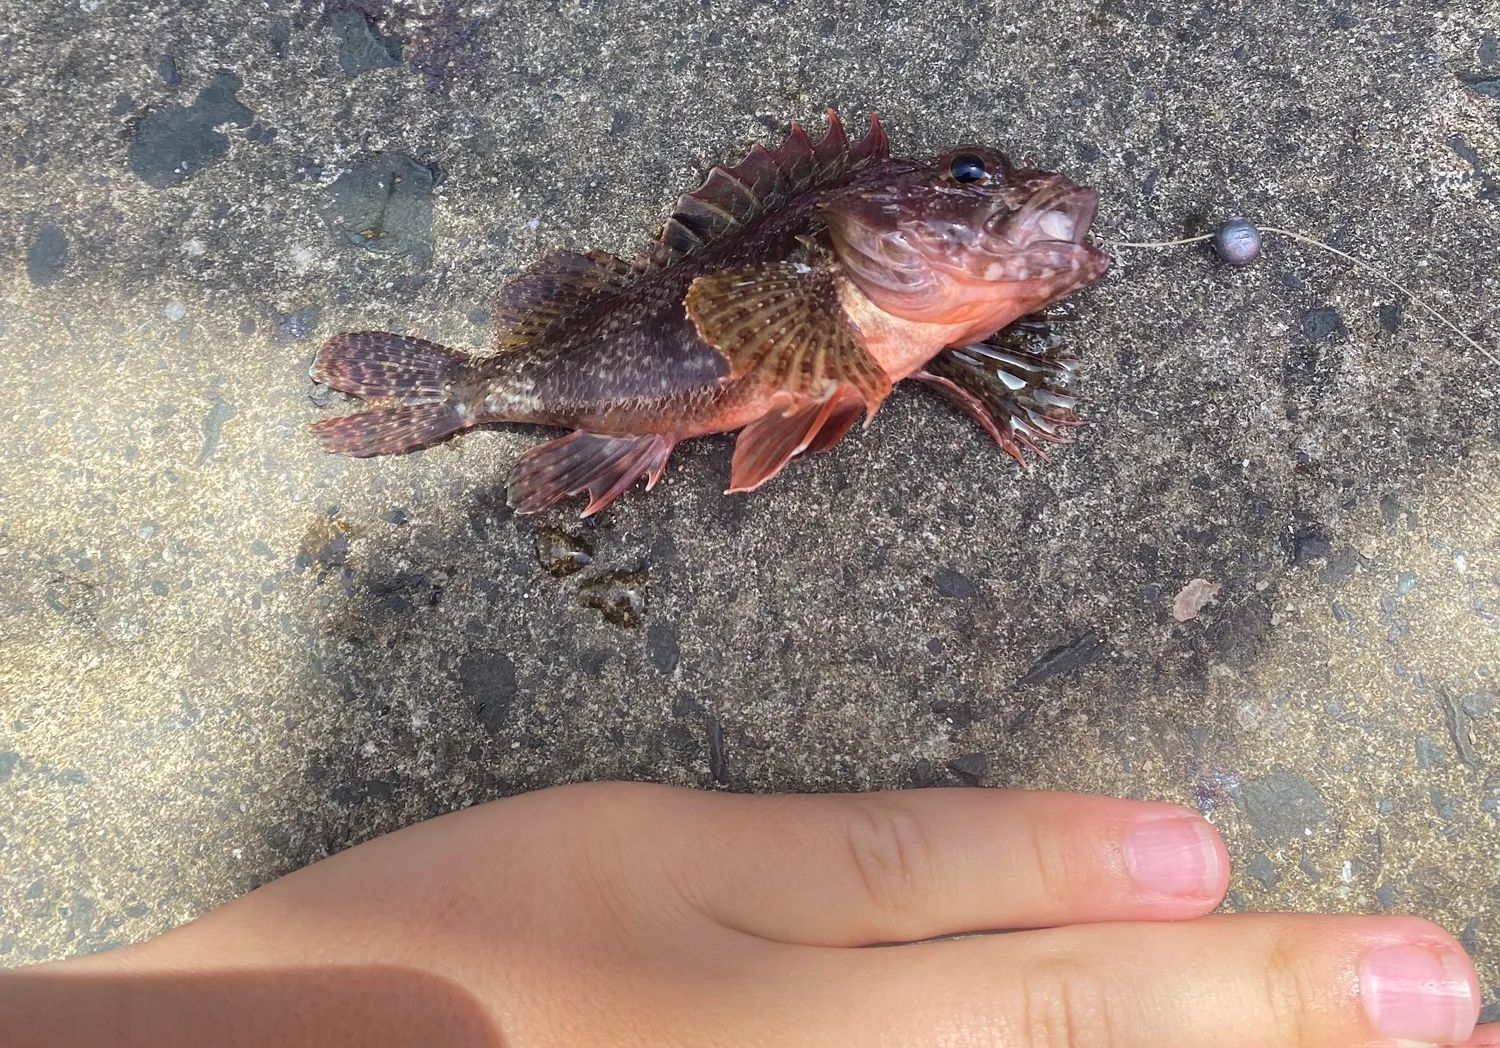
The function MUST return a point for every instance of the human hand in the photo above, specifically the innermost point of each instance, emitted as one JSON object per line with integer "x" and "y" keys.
{"x": 626, "y": 915}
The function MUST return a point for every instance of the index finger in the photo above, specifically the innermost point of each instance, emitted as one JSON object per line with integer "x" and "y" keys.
{"x": 856, "y": 869}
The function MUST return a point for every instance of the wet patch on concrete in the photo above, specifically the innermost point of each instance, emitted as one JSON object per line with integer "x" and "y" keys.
{"x": 384, "y": 205}
{"x": 174, "y": 142}
{"x": 361, "y": 45}
{"x": 47, "y": 256}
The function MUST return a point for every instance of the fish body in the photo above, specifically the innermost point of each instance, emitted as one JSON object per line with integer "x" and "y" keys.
{"x": 784, "y": 298}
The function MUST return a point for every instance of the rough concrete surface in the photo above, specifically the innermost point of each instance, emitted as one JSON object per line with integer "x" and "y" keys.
{"x": 224, "y": 655}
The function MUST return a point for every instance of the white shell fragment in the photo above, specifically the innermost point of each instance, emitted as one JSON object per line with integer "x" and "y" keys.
{"x": 1191, "y": 599}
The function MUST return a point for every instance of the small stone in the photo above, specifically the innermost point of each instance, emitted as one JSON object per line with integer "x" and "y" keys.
{"x": 662, "y": 646}
{"x": 1237, "y": 242}
{"x": 362, "y": 46}
{"x": 1260, "y": 868}
{"x": 954, "y": 584}
{"x": 1283, "y": 806}
{"x": 1192, "y": 597}
{"x": 296, "y": 326}
{"x": 718, "y": 753}
{"x": 176, "y": 311}
{"x": 971, "y": 767}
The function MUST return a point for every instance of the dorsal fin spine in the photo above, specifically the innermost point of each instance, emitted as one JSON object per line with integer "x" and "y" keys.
{"x": 732, "y": 197}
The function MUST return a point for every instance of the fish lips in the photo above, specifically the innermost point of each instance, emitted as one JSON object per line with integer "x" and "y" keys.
{"x": 1049, "y": 235}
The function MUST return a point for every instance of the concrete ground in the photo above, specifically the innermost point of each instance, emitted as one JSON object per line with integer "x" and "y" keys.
{"x": 224, "y": 655}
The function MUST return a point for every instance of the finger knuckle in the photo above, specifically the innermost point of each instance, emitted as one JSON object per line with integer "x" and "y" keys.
{"x": 1054, "y": 871}
{"x": 1289, "y": 990}
{"x": 1063, "y": 1005}
{"x": 892, "y": 857}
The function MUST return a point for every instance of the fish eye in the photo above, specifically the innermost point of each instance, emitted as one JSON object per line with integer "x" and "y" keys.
{"x": 966, "y": 167}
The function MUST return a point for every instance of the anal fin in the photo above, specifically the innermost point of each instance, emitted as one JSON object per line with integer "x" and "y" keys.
{"x": 602, "y": 467}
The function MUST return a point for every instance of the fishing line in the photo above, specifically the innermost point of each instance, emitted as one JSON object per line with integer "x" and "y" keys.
{"x": 1238, "y": 243}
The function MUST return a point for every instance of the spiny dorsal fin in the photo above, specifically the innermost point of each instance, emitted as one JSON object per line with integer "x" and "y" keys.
{"x": 782, "y": 322}
{"x": 552, "y": 290}
{"x": 731, "y": 198}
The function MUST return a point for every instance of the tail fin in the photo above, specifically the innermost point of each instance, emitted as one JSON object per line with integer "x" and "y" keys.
{"x": 377, "y": 365}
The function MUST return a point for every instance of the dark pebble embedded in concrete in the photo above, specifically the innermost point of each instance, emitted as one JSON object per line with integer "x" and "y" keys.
{"x": 1390, "y": 316}
{"x": 662, "y": 646}
{"x": 1442, "y": 804}
{"x": 167, "y": 70}
{"x": 220, "y": 411}
{"x": 682, "y": 741}
{"x": 1321, "y": 323}
{"x": 278, "y": 37}
{"x": 1261, "y": 869}
{"x": 363, "y": 47}
{"x": 1487, "y": 84}
{"x": 397, "y": 515}
{"x": 594, "y": 660}
{"x": 1283, "y": 806}
{"x": 919, "y": 775}
{"x": 957, "y": 714}
{"x": 718, "y": 752}
{"x": 955, "y": 584}
{"x": 296, "y": 326}
{"x": 48, "y": 255}
{"x": 8, "y": 761}
{"x": 1309, "y": 546}
{"x": 1066, "y": 658}
{"x": 384, "y": 205}
{"x": 489, "y": 682}
{"x": 176, "y": 141}
{"x": 1429, "y": 753}
{"x": 971, "y": 767}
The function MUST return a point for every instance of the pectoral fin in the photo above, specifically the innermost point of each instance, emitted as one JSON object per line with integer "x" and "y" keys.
{"x": 1020, "y": 386}
{"x": 782, "y": 322}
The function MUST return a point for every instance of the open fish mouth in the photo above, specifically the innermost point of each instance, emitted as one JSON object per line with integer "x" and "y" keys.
{"x": 1060, "y": 216}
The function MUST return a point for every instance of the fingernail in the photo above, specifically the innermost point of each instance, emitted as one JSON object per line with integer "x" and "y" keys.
{"x": 1174, "y": 856}
{"x": 1419, "y": 993}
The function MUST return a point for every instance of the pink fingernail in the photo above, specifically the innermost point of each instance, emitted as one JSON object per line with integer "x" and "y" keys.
{"x": 1174, "y": 856}
{"x": 1419, "y": 993}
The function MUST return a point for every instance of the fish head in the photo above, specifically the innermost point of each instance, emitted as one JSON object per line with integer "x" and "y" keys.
{"x": 965, "y": 239}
